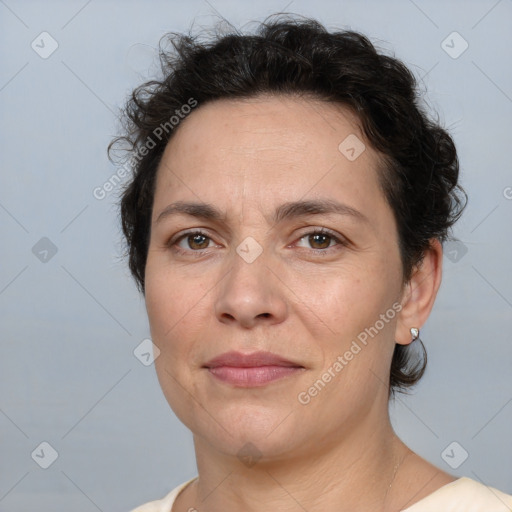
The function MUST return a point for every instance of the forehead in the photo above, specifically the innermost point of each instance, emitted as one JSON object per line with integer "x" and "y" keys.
{"x": 268, "y": 147}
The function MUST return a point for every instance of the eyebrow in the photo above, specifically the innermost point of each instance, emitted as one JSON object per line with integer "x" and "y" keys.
{"x": 200, "y": 210}
{"x": 316, "y": 207}
{"x": 285, "y": 211}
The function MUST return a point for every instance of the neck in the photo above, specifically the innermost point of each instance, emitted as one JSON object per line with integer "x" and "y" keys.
{"x": 355, "y": 473}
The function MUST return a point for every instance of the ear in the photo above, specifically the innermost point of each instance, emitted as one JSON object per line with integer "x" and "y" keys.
{"x": 420, "y": 293}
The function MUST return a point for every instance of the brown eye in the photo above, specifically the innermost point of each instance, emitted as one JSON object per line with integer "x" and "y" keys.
{"x": 319, "y": 240}
{"x": 197, "y": 241}
{"x": 192, "y": 241}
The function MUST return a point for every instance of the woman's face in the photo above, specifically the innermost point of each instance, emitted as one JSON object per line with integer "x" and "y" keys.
{"x": 269, "y": 236}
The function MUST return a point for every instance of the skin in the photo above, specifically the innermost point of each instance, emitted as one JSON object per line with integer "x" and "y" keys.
{"x": 303, "y": 298}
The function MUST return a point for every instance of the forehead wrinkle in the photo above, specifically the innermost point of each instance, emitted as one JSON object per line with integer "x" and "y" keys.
{"x": 283, "y": 212}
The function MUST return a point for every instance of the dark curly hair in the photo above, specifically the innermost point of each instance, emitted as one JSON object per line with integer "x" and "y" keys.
{"x": 298, "y": 56}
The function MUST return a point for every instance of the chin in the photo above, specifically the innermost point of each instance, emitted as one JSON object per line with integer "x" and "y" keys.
{"x": 250, "y": 448}
{"x": 266, "y": 431}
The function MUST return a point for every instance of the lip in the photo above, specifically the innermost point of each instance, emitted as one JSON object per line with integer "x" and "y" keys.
{"x": 256, "y": 359}
{"x": 251, "y": 370}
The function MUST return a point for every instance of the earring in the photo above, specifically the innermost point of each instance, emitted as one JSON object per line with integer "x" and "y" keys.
{"x": 415, "y": 333}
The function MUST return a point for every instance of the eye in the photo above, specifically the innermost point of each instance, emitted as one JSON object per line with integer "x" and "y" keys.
{"x": 194, "y": 241}
{"x": 319, "y": 239}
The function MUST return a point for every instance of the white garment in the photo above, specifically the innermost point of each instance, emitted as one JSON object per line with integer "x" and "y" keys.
{"x": 462, "y": 495}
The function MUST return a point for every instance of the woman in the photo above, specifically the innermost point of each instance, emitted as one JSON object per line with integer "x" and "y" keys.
{"x": 285, "y": 222}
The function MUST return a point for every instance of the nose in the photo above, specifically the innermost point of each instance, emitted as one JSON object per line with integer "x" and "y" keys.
{"x": 250, "y": 295}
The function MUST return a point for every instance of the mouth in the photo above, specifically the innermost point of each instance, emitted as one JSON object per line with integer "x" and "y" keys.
{"x": 251, "y": 370}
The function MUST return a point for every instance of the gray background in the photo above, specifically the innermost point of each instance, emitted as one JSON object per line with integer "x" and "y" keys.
{"x": 70, "y": 324}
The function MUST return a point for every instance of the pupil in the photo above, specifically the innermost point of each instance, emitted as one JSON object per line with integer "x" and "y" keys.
{"x": 319, "y": 239}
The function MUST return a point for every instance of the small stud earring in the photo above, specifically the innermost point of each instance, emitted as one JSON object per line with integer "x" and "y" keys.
{"x": 415, "y": 333}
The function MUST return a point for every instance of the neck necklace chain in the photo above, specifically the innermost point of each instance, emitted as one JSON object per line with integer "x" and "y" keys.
{"x": 395, "y": 471}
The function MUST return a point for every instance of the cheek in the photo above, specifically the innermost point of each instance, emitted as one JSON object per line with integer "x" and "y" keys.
{"x": 161, "y": 304}
{"x": 358, "y": 306}
{"x": 351, "y": 298}
{"x": 170, "y": 297}
{"x": 173, "y": 312}
{"x": 179, "y": 313}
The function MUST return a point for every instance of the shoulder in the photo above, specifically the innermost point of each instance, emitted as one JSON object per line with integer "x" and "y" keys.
{"x": 166, "y": 503}
{"x": 464, "y": 495}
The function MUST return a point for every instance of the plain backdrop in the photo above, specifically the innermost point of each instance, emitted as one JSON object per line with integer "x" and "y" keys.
{"x": 71, "y": 318}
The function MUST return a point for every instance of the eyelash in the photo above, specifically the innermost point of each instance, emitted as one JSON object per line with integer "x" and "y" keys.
{"x": 319, "y": 231}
